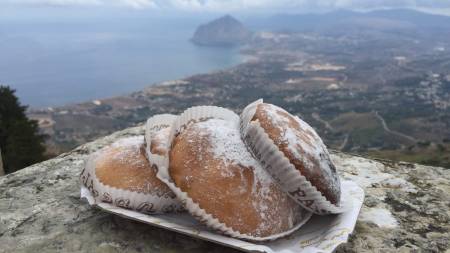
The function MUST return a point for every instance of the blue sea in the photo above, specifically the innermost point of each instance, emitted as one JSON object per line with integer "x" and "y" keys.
{"x": 69, "y": 57}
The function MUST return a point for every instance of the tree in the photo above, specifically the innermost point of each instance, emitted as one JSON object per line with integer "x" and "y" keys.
{"x": 20, "y": 142}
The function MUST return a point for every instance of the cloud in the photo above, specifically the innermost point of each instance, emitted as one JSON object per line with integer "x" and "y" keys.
{"x": 127, "y": 3}
{"x": 371, "y": 4}
{"x": 298, "y": 5}
{"x": 246, "y": 5}
{"x": 350, "y": 4}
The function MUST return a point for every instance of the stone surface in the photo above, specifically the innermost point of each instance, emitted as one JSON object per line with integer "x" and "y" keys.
{"x": 406, "y": 209}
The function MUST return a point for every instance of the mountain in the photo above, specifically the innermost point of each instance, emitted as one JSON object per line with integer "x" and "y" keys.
{"x": 373, "y": 88}
{"x": 224, "y": 31}
{"x": 378, "y": 19}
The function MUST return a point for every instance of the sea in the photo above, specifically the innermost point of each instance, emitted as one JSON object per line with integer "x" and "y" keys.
{"x": 69, "y": 57}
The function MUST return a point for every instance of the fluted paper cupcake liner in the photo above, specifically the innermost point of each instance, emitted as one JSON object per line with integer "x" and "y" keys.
{"x": 199, "y": 113}
{"x": 141, "y": 202}
{"x": 282, "y": 170}
{"x": 153, "y": 125}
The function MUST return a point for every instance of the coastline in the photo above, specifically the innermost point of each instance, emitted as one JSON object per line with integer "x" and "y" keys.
{"x": 239, "y": 54}
{"x": 90, "y": 111}
{"x": 333, "y": 93}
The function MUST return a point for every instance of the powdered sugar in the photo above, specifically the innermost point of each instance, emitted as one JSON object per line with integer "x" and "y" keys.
{"x": 305, "y": 145}
{"x": 231, "y": 191}
{"x": 227, "y": 145}
{"x": 120, "y": 174}
{"x": 128, "y": 149}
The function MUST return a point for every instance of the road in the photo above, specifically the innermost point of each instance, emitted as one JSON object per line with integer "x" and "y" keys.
{"x": 324, "y": 122}
{"x": 387, "y": 129}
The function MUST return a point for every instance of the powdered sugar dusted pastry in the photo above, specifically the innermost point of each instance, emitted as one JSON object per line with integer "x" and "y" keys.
{"x": 225, "y": 187}
{"x": 294, "y": 155}
{"x": 120, "y": 174}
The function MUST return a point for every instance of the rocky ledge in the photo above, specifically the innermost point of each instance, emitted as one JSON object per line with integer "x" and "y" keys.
{"x": 407, "y": 208}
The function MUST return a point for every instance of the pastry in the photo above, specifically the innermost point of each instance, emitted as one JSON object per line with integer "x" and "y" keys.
{"x": 224, "y": 186}
{"x": 120, "y": 174}
{"x": 271, "y": 131}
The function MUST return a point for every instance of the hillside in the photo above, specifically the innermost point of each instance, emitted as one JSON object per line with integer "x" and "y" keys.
{"x": 379, "y": 93}
{"x": 383, "y": 19}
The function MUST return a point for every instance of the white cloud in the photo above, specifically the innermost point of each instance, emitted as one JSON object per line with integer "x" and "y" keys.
{"x": 247, "y": 5}
{"x": 129, "y": 3}
{"x": 138, "y": 3}
{"x": 300, "y": 5}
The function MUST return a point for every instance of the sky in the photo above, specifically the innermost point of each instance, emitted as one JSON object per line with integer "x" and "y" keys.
{"x": 437, "y": 6}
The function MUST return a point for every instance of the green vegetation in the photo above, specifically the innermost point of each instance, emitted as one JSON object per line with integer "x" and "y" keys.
{"x": 351, "y": 121}
{"x": 433, "y": 154}
{"x": 20, "y": 141}
{"x": 391, "y": 104}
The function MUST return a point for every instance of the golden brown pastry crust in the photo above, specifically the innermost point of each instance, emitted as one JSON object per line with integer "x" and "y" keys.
{"x": 316, "y": 168}
{"x": 124, "y": 165}
{"x": 228, "y": 189}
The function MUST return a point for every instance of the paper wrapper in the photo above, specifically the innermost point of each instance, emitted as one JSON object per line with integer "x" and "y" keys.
{"x": 153, "y": 125}
{"x": 320, "y": 234}
{"x": 145, "y": 203}
{"x": 282, "y": 170}
{"x": 191, "y": 115}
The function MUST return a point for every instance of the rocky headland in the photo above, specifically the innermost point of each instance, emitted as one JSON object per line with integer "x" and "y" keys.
{"x": 224, "y": 31}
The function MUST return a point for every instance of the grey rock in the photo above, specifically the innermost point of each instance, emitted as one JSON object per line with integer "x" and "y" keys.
{"x": 406, "y": 210}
